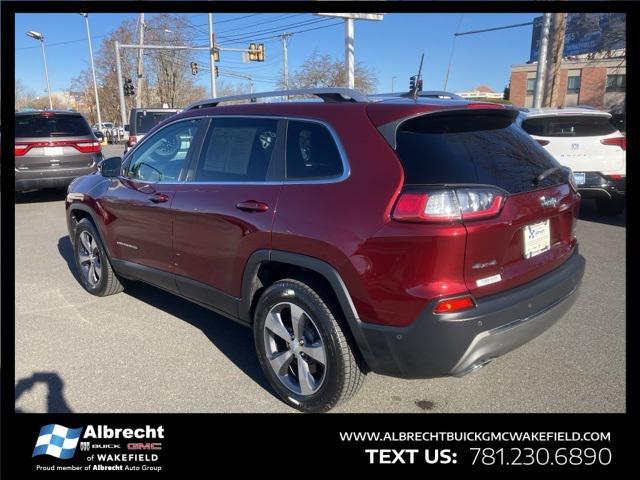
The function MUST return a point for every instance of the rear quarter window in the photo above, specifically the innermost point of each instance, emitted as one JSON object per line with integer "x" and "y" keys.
{"x": 33, "y": 126}
{"x": 312, "y": 152}
{"x": 569, "y": 126}
{"x": 472, "y": 148}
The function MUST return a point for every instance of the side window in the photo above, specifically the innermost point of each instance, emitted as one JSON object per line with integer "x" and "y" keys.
{"x": 238, "y": 150}
{"x": 163, "y": 156}
{"x": 311, "y": 152}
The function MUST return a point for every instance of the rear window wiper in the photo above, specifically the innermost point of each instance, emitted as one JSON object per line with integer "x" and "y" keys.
{"x": 545, "y": 174}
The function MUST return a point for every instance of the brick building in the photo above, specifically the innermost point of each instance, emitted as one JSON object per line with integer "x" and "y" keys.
{"x": 600, "y": 83}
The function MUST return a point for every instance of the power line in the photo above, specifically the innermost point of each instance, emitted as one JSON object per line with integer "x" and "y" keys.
{"x": 295, "y": 32}
{"x": 251, "y": 35}
{"x": 48, "y": 45}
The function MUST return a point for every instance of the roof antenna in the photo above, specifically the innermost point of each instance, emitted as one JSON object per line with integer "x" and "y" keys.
{"x": 417, "y": 86}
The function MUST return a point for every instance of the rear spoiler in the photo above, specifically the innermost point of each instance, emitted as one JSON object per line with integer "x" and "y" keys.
{"x": 389, "y": 130}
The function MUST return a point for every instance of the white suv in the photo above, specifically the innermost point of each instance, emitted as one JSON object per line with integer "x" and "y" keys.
{"x": 585, "y": 140}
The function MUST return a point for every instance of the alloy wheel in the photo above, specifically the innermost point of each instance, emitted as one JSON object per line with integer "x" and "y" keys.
{"x": 294, "y": 348}
{"x": 89, "y": 258}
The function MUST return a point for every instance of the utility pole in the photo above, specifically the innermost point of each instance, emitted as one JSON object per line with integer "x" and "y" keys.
{"x": 93, "y": 71}
{"x": 541, "y": 69}
{"x": 123, "y": 113}
{"x": 285, "y": 56}
{"x": 140, "y": 63}
{"x": 214, "y": 93}
{"x": 554, "y": 59}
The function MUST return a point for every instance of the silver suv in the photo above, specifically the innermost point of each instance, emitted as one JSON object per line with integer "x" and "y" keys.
{"x": 52, "y": 148}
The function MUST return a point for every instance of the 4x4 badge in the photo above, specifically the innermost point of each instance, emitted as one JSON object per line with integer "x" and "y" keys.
{"x": 548, "y": 202}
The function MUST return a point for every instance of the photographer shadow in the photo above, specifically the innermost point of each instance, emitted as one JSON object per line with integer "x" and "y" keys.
{"x": 56, "y": 402}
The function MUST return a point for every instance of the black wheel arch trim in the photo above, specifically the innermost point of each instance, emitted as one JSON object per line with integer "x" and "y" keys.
{"x": 316, "y": 265}
{"x": 95, "y": 220}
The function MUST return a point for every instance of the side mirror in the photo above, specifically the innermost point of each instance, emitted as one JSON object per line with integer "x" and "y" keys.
{"x": 110, "y": 167}
{"x": 126, "y": 127}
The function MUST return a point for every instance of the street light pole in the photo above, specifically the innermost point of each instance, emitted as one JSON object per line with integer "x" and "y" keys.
{"x": 46, "y": 74}
{"x": 93, "y": 71}
{"x": 39, "y": 36}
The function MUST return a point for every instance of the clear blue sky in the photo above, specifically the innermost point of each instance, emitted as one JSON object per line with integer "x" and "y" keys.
{"x": 391, "y": 47}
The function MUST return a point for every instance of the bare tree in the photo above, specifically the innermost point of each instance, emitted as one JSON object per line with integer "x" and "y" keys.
{"x": 24, "y": 96}
{"x": 168, "y": 76}
{"x": 320, "y": 70}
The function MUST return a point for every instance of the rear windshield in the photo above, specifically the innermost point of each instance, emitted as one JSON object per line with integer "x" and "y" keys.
{"x": 51, "y": 126}
{"x": 472, "y": 148}
{"x": 145, "y": 121}
{"x": 569, "y": 126}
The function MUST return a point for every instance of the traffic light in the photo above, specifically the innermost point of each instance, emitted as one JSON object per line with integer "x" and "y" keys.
{"x": 256, "y": 52}
{"x": 415, "y": 83}
{"x": 128, "y": 88}
{"x": 194, "y": 68}
{"x": 217, "y": 72}
{"x": 216, "y": 54}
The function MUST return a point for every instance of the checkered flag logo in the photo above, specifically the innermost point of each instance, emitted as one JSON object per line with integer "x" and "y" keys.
{"x": 57, "y": 441}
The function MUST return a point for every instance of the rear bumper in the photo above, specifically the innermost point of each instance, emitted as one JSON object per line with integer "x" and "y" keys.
{"x": 49, "y": 179}
{"x": 600, "y": 187}
{"x": 454, "y": 344}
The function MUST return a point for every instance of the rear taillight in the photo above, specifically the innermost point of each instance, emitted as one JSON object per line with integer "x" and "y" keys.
{"x": 132, "y": 140}
{"x": 88, "y": 147}
{"x": 452, "y": 305}
{"x": 616, "y": 142}
{"x": 542, "y": 142}
{"x": 448, "y": 205}
{"x": 20, "y": 149}
{"x": 616, "y": 176}
{"x": 82, "y": 147}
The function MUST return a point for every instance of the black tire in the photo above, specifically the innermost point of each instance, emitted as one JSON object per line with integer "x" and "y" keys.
{"x": 610, "y": 208}
{"x": 108, "y": 283}
{"x": 343, "y": 374}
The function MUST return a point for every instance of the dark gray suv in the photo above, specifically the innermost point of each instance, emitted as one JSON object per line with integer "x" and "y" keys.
{"x": 52, "y": 148}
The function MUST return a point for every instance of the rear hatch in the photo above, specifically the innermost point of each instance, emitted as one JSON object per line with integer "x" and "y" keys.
{"x": 54, "y": 141}
{"x": 584, "y": 143}
{"x": 478, "y": 168}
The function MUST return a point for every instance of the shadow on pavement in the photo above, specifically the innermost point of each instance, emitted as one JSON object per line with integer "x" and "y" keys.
{"x": 40, "y": 196}
{"x": 66, "y": 251}
{"x": 232, "y": 339}
{"x": 589, "y": 213}
{"x": 55, "y": 386}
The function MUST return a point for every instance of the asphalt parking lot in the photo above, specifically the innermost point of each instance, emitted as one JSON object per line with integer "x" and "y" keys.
{"x": 147, "y": 351}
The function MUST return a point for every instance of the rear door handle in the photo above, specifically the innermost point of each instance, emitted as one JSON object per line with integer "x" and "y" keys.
{"x": 159, "y": 198}
{"x": 252, "y": 206}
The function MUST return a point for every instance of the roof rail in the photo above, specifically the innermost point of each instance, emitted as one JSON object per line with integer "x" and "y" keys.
{"x": 328, "y": 95}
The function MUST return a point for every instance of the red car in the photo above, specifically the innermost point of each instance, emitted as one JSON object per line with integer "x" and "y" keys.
{"x": 411, "y": 238}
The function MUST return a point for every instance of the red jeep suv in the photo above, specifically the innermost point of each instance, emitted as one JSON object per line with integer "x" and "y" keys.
{"x": 414, "y": 238}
